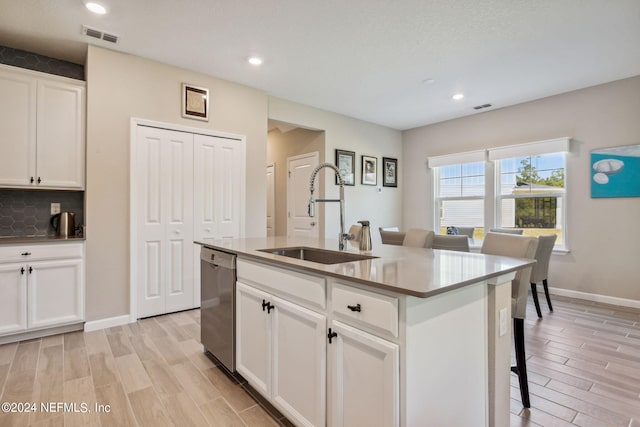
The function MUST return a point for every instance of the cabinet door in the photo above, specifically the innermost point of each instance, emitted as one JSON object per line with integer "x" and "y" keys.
{"x": 230, "y": 191}
{"x": 205, "y": 194}
{"x": 60, "y": 130}
{"x": 18, "y": 124}
{"x": 13, "y": 304}
{"x": 55, "y": 291}
{"x": 253, "y": 337}
{"x": 299, "y": 361}
{"x": 363, "y": 380}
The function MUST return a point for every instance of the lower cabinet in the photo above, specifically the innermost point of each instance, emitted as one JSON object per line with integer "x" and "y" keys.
{"x": 316, "y": 369}
{"x": 364, "y": 379}
{"x": 281, "y": 351}
{"x": 44, "y": 289}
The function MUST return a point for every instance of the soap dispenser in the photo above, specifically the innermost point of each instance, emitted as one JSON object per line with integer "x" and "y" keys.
{"x": 365, "y": 236}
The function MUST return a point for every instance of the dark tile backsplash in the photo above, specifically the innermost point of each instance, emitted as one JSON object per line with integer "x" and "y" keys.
{"x": 44, "y": 64}
{"x": 28, "y": 212}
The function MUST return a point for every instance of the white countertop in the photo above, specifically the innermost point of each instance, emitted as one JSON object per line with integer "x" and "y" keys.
{"x": 418, "y": 272}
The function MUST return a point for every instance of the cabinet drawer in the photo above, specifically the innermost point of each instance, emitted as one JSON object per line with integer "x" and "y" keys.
{"x": 288, "y": 284}
{"x": 39, "y": 252}
{"x": 376, "y": 310}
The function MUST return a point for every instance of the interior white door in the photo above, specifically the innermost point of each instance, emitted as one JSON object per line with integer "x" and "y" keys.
{"x": 164, "y": 253}
{"x": 230, "y": 175}
{"x": 271, "y": 200}
{"x": 18, "y": 124}
{"x": 299, "y": 168}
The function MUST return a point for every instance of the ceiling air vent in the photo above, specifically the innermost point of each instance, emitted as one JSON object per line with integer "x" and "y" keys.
{"x": 98, "y": 34}
{"x": 480, "y": 107}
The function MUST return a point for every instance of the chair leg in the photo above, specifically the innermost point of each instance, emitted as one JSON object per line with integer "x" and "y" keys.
{"x": 534, "y": 293}
{"x": 521, "y": 361}
{"x": 546, "y": 293}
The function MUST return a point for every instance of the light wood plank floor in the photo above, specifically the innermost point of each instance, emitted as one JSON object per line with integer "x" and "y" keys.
{"x": 583, "y": 361}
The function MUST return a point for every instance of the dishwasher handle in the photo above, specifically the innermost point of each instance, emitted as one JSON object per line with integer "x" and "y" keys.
{"x": 218, "y": 258}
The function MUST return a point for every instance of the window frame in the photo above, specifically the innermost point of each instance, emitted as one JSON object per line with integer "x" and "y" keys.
{"x": 493, "y": 196}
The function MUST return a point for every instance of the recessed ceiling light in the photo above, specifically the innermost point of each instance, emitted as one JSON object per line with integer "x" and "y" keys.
{"x": 96, "y": 8}
{"x": 254, "y": 60}
{"x": 428, "y": 81}
{"x": 458, "y": 96}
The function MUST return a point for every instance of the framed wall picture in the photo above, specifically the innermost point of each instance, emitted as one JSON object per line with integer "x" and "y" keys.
{"x": 369, "y": 170}
{"x": 389, "y": 172}
{"x": 615, "y": 172}
{"x": 195, "y": 102}
{"x": 346, "y": 163}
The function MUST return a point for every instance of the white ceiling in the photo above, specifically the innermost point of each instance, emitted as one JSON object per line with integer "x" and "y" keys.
{"x": 363, "y": 58}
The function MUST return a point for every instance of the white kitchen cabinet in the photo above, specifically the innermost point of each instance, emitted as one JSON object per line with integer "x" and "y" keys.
{"x": 281, "y": 351}
{"x": 13, "y": 288}
{"x": 42, "y": 286}
{"x": 364, "y": 379}
{"x": 42, "y": 118}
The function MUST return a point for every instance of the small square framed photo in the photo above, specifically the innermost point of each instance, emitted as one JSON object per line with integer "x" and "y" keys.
{"x": 369, "y": 170}
{"x": 389, "y": 172}
{"x": 195, "y": 102}
{"x": 346, "y": 163}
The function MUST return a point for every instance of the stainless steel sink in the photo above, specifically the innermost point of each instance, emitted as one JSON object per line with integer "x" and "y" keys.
{"x": 322, "y": 256}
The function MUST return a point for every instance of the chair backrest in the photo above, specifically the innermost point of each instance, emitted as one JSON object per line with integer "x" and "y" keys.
{"x": 452, "y": 243}
{"x": 506, "y": 230}
{"x": 543, "y": 255}
{"x": 356, "y": 230}
{"x": 466, "y": 231}
{"x": 388, "y": 229}
{"x": 517, "y": 247}
{"x": 392, "y": 237}
{"x": 418, "y": 238}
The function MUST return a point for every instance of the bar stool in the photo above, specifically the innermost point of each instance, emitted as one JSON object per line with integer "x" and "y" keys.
{"x": 541, "y": 269}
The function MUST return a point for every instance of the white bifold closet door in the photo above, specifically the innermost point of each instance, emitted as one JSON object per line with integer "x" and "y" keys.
{"x": 164, "y": 183}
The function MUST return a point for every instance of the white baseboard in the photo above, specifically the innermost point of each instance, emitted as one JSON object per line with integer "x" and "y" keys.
{"x": 623, "y": 302}
{"x": 109, "y": 322}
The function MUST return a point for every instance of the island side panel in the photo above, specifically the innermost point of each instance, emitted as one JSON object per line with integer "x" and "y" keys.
{"x": 446, "y": 359}
{"x": 499, "y": 298}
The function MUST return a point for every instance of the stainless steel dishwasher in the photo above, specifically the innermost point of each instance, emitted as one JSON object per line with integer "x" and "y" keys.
{"x": 217, "y": 309}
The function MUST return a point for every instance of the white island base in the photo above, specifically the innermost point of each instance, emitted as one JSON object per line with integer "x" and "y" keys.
{"x": 394, "y": 359}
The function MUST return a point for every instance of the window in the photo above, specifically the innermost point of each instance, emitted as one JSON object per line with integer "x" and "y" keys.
{"x": 521, "y": 187}
{"x": 532, "y": 194}
{"x": 460, "y": 192}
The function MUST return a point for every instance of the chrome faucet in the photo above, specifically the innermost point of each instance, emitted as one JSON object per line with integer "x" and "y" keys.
{"x": 342, "y": 237}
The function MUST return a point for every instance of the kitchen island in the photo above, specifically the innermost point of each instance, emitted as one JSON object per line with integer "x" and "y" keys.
{"x": 407, "y": 337}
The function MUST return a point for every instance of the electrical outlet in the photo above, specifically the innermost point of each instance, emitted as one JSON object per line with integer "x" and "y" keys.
{"x": 503, "y": 321}
{"x": 55, "y": 208}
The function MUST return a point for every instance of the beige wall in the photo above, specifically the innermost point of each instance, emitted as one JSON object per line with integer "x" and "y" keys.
{"x": 382, "y": 208}
{"x": 122, "y": 86}
{"x": 604, "y": 234}
{"x": 280, "y": 146}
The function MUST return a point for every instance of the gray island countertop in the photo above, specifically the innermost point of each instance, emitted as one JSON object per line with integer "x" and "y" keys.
{"x": 417, "y": 272}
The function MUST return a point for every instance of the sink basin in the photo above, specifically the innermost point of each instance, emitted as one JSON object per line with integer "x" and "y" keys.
{"x": 322, "y": 256}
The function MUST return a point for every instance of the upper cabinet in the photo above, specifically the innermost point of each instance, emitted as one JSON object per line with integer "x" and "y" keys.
{"x": 42, "y": 130}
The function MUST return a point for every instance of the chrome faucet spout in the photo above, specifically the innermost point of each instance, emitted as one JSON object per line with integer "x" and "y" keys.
{"x": 342, "y": 237}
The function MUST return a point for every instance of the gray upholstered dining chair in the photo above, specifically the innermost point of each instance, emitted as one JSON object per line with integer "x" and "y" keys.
{"x": 356, "y": 231}
{"x": 391, "y": 237}
{"x": 506, "y": 230}
{"x": 466, "y": 231}
{"x": 418, "y": 238}
{"x": 518, "y": 247}
{"x": 541, "y": 269}
{"x": 452, "y": 243}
